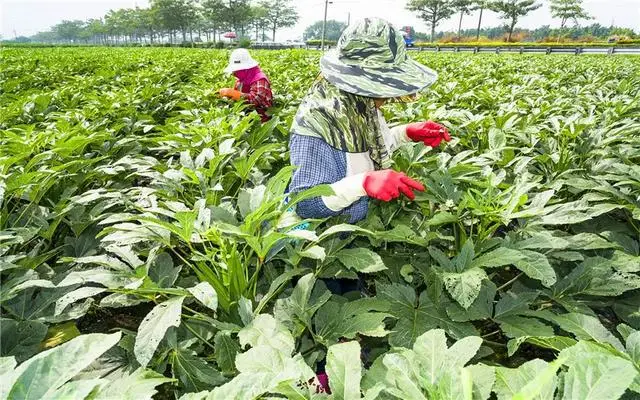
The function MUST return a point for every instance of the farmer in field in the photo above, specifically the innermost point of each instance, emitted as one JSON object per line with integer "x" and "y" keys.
{"x": 339, "y": 136}
{"x": 252, "y": 85}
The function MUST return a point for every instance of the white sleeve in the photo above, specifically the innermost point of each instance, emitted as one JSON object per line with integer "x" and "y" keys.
{"x": 346, "y": 192}
{"x": 393, "y": 137}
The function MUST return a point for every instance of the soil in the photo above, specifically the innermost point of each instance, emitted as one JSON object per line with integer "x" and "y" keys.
{"x": 102, "y": 320}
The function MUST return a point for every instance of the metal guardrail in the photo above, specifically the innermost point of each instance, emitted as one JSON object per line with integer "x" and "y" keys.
{"x": 577, "y": 50}
{"x": 532, "y": 50}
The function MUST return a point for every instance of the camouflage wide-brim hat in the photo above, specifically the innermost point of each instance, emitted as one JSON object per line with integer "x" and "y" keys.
{"x": 371, "y": 60}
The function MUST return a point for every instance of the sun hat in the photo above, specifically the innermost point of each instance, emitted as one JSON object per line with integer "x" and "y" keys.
{"x": 240, "y": 59}
{"x": 371, "y": 60}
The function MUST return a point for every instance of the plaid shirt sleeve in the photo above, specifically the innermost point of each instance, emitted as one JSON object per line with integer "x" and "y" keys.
{"x": 318, "y": 163}
{"x": 260, "y": 94}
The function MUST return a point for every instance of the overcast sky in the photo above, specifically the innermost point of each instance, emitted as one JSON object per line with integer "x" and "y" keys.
{"x": 26, "y": 17}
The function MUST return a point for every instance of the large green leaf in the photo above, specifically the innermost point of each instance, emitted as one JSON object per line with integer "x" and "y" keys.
{"x": 587, "y": 327}
{"x": 417, "y": 317}
{"x": 193, "y": 372}
{"x": 138, "y": 385}
{"x": 594, "y": 376}
{"x": 534, "y": 265}
{"x": 481, "y": 308}
{"x": 556, "y": 343}
{"x": 361, "y": 260}
{"x": 264, "y": 330}
{"x": 21, "y": 339}
{"x": 44, "y": 373}
{"x": 344, "y": 371}
{"x": 465, "y": 286}
{"x": 510, "y": 382}
{"x": 516, "y": 326}
{"x": 335, "y": 320}
{"x": 154, "y": 326}
{"x": 433, "y": 370}
{"x": 226, "y": 349}
{"x": 297, "y": 310}
{"x": 205, "y": 294}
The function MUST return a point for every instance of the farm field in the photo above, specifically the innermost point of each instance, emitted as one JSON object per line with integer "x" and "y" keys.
{"x": 141, "y": 249}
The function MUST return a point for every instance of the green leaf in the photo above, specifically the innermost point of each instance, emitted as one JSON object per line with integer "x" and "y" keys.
{"x": 297, "y": 310}
{"x": 534, "y": 265}
{"x": 250, "y": 199}
{"x": 344, "y": 370}
{"x": 437, "y": 359}
{"x": 193, "y": 372}
{"x": 205, "y": 294}
{"x": 481, "y": 308}
{"x": 78, "y": 389}
{"x": 514, "y": 303}
{"x": 415, "y": 318}
{"x": 245, "y": 309}
{"x": 442, "y": 218}
{"x": 497, "y": 139}
{"x": 463, "y": 260}
{"x": 139, "y": 385}
{"x": 556, "y": 343}
{"x": 587, "y": 327}
{"x": 314, "y": 252}
{"x": 361, "y": 260}
{"x": 162, "y": 271}
{"x": 154, "y": 326}
{"x": 598, "y": 376}
{"x": 515, "y": 326}
{"x": 264, "y": 330}
{"x": 465, "y": 286}
{"x": 226, "y": 349}
{"x": 82, "y": 293}
{"x": 484, "y": 377}
{"x": 21, "y": 339}
{"x": 44, "y": 373}
{"x": 334, "y": 321}
{"x": 510, "y": 382}
{"x": 633, "y": 347}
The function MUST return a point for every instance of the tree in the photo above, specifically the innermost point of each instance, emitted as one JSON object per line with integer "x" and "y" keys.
{"x": 236, "y": 15}
{"x": 432, "y": 11}
{"x": 480, "y": 5}
{"x": 464, "y": 7}
{"x": 69, "y": 30}
{"x": 512, "y": 10}
{"x": 96, "y": 29}
{"x": 568, "y": 10}
{"x": 280, "y": 14}
{"x": 333, "y": 30}
{"x": 213, "y": 12}
{"x": 259, "y": 21}
{"x": 175, "y": 15}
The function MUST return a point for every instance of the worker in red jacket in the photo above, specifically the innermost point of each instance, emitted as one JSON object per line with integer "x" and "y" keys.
{"x": 252, "y": 85}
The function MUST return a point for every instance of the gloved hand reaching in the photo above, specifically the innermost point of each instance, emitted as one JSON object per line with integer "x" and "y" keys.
{"x": 387, "y": 185}
{"x": 430, "y": 133}
{"x": 231, "y": 93}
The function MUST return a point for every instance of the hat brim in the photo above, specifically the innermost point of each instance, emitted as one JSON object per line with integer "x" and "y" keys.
{"x": 406, "y": 78}
{"x": 231, "y": 68}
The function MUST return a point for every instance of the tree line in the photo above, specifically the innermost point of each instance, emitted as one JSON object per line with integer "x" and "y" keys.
{"x": 435, "y": 11}
{"x": 175, "y": 20}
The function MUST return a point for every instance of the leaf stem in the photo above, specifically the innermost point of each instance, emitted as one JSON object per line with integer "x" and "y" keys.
{"x": 510, "y": 282}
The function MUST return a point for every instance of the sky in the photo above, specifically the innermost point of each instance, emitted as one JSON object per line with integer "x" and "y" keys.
{"x": 27, "y": 17}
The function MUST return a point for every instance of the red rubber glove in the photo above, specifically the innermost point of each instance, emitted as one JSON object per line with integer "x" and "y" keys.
{"x": 387, "y": 185}
{"x": 231, "y": 93}
{"x": 430, "y": 133}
